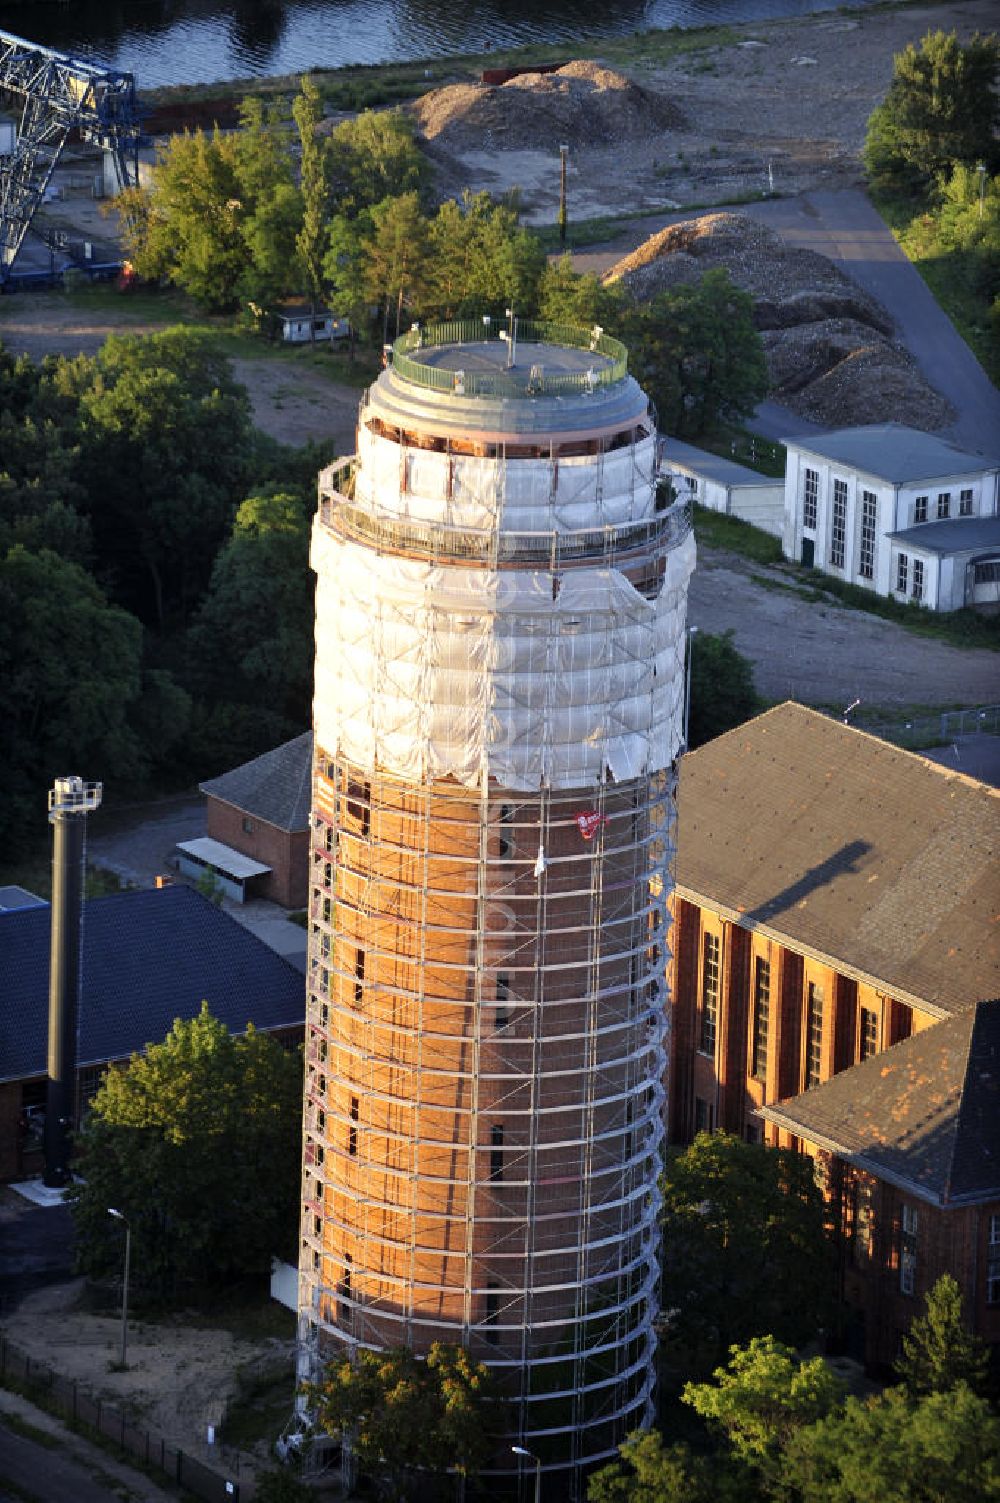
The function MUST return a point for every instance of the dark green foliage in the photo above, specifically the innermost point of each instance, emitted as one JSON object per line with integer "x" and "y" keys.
{"x": 722, "y": 691}
{"x": 650, "y": 1472}
{"x": 695, "y": 350}
{"x": 944, "y": 1448}
{"x": 941, "y": 109}
{"x": 69, "y": 676}
{"x": 197, "y": 1142}
{"x": 405, "y": 1415}
{"x": 745, "y": 1248}
{"x": 375, "y": 157}
{"x": 940, "y": 1352}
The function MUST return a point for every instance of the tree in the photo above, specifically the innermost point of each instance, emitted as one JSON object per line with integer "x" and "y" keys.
{"x": 396, "y": 257}
{"x": 940, "y": 1351}
{"x": 697, "y": 353}
{"x": 271, "y": 207}
{"x": 745, "y": 1250}
{"x": 197, "y": 1142}
{"x": 566, "y": 297}
{"x": 315, "y": 187}
{"x": 252, "y": 637}
{"x": 483, "y": 260}
{"x": 166, "y": 450}
{"x": 400, "y": 1414}
{"x": 69, "y": 676}
{"x": 374, "y": 157}
{"x": 943, "y": 1448}
{"x": 762, "y": 1398}
{"x": 650, "y": 1472}
{"x": 722, "y": 689}
{"x": 942, "y": 108}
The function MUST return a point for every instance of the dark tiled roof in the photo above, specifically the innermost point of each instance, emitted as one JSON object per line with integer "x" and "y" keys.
{"x": 846, "y": 847}
{"x": 958, "y": 535}
{"x": 893, "y": 452}
{"x": 275, "y": 787}
{"x": 148, "y": 958}
{"x": 924, "y": 1114}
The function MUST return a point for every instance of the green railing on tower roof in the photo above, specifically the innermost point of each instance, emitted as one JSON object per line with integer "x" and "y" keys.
{"x": 529, "y": 380}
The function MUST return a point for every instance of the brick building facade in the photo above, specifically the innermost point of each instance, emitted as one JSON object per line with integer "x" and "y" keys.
{"x": 833, "y": 900}
{"x": 261, "y": 810}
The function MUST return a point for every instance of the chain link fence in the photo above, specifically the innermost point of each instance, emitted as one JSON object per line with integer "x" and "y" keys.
{"x": 934, "y": 730}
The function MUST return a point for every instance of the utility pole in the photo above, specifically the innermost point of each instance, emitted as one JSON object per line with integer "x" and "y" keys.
{"x": 563, "y": 154}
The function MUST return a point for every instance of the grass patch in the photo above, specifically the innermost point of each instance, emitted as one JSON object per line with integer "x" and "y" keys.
{"x": 29, "y": 1431}
{"x": 963, "y": 628}
{"x": 747, "y": 448}
{"x": 582, "y": 232}
{"x": 716, "y": 530}
{"x": 15, "y": 1490}
{"x": 262, "y": 1406}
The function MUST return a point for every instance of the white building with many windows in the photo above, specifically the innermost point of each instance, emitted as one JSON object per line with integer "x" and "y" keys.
{"x": 896, "y": 511}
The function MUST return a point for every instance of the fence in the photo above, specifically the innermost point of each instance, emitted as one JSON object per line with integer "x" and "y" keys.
{"x": 930, "y": 730}
{"x": 65, "y": 1397}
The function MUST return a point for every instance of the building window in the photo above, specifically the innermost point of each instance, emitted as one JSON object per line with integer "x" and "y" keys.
{"x": 867, "y": 1033}
{"x": 709, "y": 993}
{"x": 359, "y": 975}
{"x": 869, "y": 513}
{"x": 986, "y": 573}
{"x": 704, "y": 1117}
{"x": 814, "y": 1034}
{"x": 993, "y": 1262}
{"x": 496, "y": 1151}
{"x": 861, "y": 1230}
{"x": 359, "y": 803}
{"x": 902, "y": 573}
{"x": 965, "y": 504}
{"x": 908, "y": 1250}
{"x": 918, "y": 579}
{"x": 247, "y": 825}
{"x": 761, "y": 1017}
{"x": 838, "y": 530}
{"x": 810, "y": 497}
{"x": 352, "y": 1131}
{"x": 920, "y": 509}
{"x": 492, "y": 1315}
{"x": 344, "y": 1286}
{"x": 944, "y": 505}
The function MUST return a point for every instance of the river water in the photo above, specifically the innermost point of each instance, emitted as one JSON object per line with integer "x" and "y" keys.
{"x": 198, "y": 41}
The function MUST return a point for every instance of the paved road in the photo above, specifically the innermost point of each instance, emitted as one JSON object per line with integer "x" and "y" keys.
{"x": 843, "y": 226}
{"x": 66, "y": 1468}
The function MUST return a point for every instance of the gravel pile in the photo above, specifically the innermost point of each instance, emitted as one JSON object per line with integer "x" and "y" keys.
{"x": 829, "y": 352}
{"x": 581, "y": 104}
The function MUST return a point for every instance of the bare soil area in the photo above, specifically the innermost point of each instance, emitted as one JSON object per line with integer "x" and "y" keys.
{"x": 783, "y": 108}
{"x": 822, "y": 653}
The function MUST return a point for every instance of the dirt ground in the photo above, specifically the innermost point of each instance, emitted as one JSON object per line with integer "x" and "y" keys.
{"x": 783, "y": 108}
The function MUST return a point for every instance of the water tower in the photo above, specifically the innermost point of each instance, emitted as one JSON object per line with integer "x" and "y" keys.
{"x": 500, "y": 618}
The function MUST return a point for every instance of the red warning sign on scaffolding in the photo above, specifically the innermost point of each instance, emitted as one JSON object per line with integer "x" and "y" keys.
{"x": 589, "y": 822}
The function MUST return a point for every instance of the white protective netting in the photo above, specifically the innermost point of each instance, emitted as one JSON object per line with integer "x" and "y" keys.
{"x": 571, "y": 493}
{"x": 428, "y": 671}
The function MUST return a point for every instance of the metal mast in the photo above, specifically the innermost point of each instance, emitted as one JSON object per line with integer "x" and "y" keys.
{"x": 59, "y": 94}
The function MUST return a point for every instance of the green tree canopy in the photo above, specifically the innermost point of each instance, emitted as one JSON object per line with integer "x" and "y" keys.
{"x": 695, "y": 350}
{"x": 650, "y": 1472}
{"x": 745, "y": 1249}
{"x": 943, "y": 1448}
{"x": 69, "y": 675}
{"x": 940, "y": 1351}
{"x": 251, "y": 640}
{"x": 197, "y": 1142}
{"x": 374, "y": 157}
{"x": 942, "y": 108}
{"x": 403, "y": 1414}
{"x": 722, "y": 689}
{"x": 762, "y": 1398}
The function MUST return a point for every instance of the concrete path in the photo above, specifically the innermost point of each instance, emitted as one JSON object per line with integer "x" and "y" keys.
{"x": 64, "y": 1468}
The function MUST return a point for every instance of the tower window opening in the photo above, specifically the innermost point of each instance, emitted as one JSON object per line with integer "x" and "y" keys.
{"x": 359, "y": 975}
{"x": 502, "y": 1011}
{"x": 352, "y": 1131}
{"x": 359, "y": 803}
{"x": 496, "y": 1151}
{"x": 492, "y": 1315}
{"x": 506, "y": 837}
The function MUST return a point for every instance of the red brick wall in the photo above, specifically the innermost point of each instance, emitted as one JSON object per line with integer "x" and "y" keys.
{"x": 286, "y": 854}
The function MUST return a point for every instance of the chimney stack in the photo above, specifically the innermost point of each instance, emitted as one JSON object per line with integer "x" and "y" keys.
{"x": 70, "y": 801}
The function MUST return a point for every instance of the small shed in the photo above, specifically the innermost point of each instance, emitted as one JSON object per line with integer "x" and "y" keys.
{"x": 236, "y": 874}
{"x": 298, "y": 323}
{"x": 723, "y": 485}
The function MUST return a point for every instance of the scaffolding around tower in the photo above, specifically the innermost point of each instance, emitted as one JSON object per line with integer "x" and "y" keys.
{"x": 501, "y": 595}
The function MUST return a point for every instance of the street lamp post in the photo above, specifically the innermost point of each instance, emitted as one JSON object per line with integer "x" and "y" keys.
{"x": 520, "y": 1451}
{"x": 128, "y": 1258}
{"x": 692, "y": 633}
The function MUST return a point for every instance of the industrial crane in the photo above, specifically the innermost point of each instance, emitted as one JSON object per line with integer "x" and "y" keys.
{"x": 59, "y": 94}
